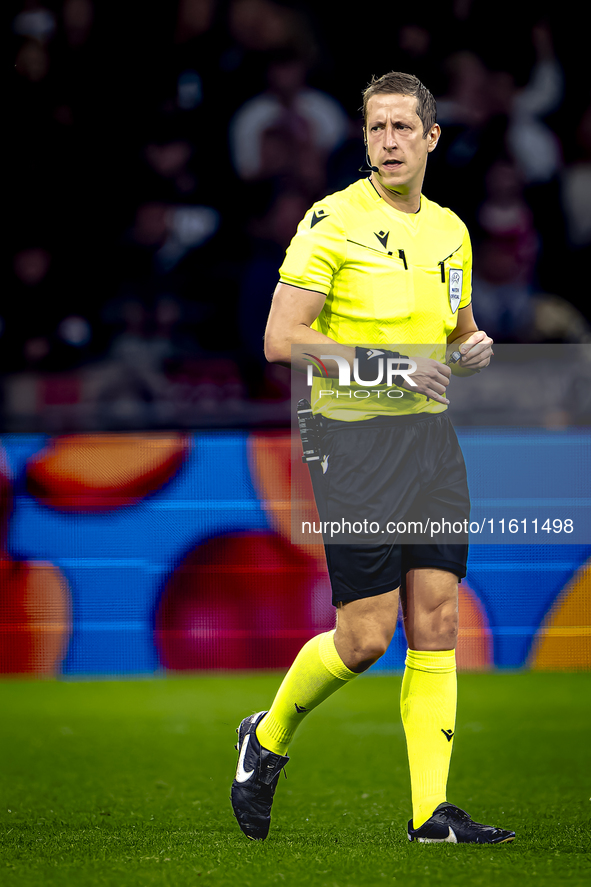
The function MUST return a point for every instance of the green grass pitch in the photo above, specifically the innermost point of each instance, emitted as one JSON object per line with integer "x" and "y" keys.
{"x": 127, "y": 783}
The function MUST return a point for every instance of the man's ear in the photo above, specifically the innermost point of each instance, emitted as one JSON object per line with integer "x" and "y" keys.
{"x": 433, "y": 137}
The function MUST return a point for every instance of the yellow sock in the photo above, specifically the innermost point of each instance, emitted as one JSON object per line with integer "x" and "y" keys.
{"x": 428, "y": 707}
{"x": 316, "y": 673}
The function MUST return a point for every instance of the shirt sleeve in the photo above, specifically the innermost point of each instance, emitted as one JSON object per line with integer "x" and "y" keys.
{"x": 467, "y": 275}
{"x": 316, "y": 252}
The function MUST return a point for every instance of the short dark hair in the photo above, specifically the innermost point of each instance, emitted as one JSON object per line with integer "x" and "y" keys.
{"x": 397, "y": 83}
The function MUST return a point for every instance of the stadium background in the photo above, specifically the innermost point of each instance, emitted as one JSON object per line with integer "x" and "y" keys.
{"x": 134, "y": 554}
{"x": 160, "y": 163}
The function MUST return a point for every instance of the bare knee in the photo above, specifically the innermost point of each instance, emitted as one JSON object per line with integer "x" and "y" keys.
{"x": 360, "y": 652}
{"x": 437, "y": 629}
{"x": 365, "y": 628}
{"x": 430, "y": 610}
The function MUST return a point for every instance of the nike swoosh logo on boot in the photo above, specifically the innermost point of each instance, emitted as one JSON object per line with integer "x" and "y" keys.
{"x": 451, "y": 838}
{"x": 241, "y": 774}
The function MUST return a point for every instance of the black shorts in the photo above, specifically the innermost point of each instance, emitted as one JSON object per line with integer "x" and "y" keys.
{"x": 393, "y": 473}
{"x": 361, "y": 571}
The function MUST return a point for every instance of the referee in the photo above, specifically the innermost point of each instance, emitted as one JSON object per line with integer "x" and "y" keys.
{"x": 375, "y": 264}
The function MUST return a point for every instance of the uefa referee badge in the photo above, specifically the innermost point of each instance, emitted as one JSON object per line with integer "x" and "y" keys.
{"x": 455, "y": 288}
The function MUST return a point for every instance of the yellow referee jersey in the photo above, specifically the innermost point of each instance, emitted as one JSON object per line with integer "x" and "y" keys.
{"x": 390, "y": 278}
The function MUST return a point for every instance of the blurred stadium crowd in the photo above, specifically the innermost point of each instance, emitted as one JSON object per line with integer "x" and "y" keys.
{"x": 163, "y": 154}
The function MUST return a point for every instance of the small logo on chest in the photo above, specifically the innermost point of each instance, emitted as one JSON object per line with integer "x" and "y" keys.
{"x": 383, "y": 237}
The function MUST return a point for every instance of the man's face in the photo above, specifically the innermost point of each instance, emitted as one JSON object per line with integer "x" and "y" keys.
{"x": 395, "y": 142}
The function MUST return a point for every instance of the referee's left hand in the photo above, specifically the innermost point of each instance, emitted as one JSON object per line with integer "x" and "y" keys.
{"x": 476, "y": 351}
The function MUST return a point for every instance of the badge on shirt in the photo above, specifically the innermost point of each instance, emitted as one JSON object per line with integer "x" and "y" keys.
{"x": 456, "y": 276}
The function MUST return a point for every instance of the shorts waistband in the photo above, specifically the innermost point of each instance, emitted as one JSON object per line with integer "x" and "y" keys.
{"x": 380, "y": 421}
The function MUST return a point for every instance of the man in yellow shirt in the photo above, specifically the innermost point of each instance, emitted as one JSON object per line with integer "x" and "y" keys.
{"x": 373, "y": 265}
